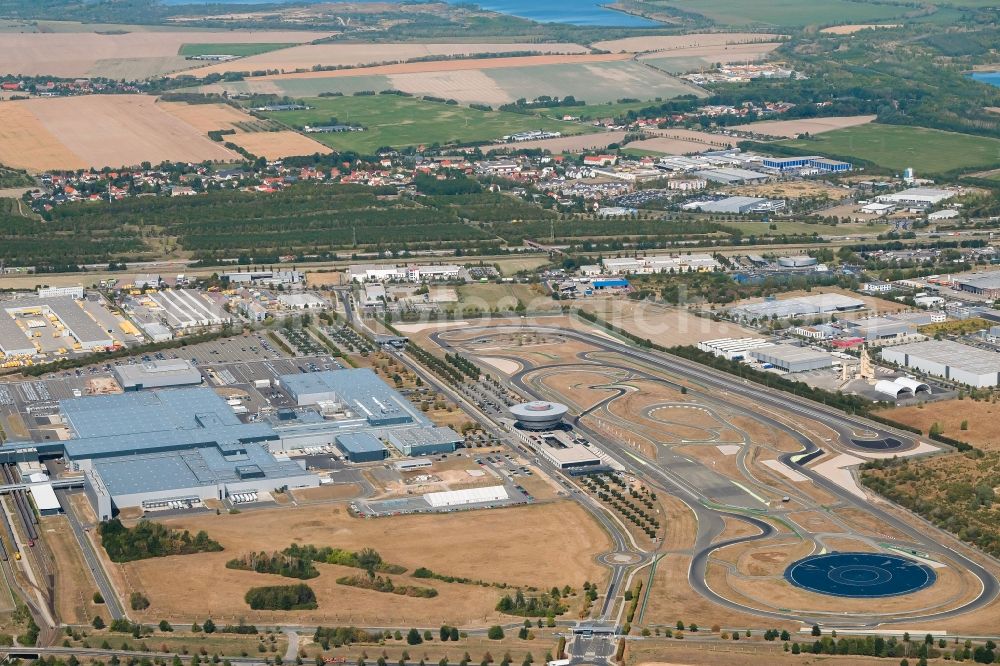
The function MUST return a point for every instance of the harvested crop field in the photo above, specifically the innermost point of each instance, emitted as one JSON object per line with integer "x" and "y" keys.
{"x": 358, "y": 55}
{"x": 679, "y": 42}
{"x": 679, "y": 142}
{"x": 98, "y": 131}
{"x": 856, "y": 27}
{"x": 132, "y": 55}
{"x": 570, "y": 144}
{"x": 271, "y": 145}
{"x": 792, "y": 128}
{"x": 598, "y": 78}
{"x": 682, "y": 60}
{"x": 542, "y": 545}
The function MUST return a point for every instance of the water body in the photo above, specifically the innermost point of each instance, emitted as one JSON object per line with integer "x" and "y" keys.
{"x": 572, "y": 12}
{"x": 992, "y": 78}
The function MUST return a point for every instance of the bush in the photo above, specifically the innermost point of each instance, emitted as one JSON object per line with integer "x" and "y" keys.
{"x": 98, "y": 598}
{"x": 138, "y": 601}
{"x": 148, "y": 539}
{"x": 495, "y": 633}
{"x": 281, "y": 597}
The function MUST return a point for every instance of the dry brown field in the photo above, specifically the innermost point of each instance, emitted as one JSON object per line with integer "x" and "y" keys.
{"x": 671, "y": 146}
{"x": 454, "y": 66}
{"x": 790, "y": 190}
{"x": 133, "y": 55}
{"x": 74, "y": 583}
{"x": 745, "y": 652}
{"x": 663, "y": 325}
{"x": 680, "y": 42}
{"x": 98, "y": 131}
{"x": 983, "y": 419}
{"x": 852, "y": 28}
{"x": 271, "y": 145}
{"x": 541, "y": 545}
{"x": 358, "y": 55}
{"x": 571, "y": 144}
{"x": 793, "y": 128}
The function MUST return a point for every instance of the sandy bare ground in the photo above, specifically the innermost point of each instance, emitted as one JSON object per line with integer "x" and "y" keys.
{"x": 356, "y": 55}
{"x": 99, "y": 131}
{"x": 271, "y": 145}
{"x": 792, "y": 128}
{"x": 677, "y": 42}
{"x": 454, "y": 66}
{"x": 142, "y": 54}
{"x": 570, "y": 144}
{"x": 852, "y": 28}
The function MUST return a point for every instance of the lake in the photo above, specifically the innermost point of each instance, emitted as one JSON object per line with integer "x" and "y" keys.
{"x": 992, "y": 78}
{"x": 573, "y": 12}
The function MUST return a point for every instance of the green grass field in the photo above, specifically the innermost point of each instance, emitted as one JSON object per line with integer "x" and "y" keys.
{"x": 397, "y": 121}
{"x": 897, "y": 147}
{"x": 230, "y": 49}
{"x": 792, "y": 228}
{"x": 787, "y": 13}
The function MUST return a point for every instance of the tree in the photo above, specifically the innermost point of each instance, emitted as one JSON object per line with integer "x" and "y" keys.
{"x": 209, "y": 626}
{"x": 370, "y": 561}
{"x": 796, "y": 649}
{"x": 680, "y": 625}
{"x": 454, "y": 634}
{"x": 413, "y": 637}
{"x": 495, "y": 633}
{"x": 816, "y": 630}
{"x": 785, "y": 635}
{"x": 98, "y": 623}
{"x": 98, "y": 598}
{"x": 165, "y": 626}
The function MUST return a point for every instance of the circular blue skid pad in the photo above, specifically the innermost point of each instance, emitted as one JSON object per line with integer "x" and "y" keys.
{"x": 866, "y": 575}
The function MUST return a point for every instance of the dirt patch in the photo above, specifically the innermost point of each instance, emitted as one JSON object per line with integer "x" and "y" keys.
{"x": 334, "y": 491}
{"x": 793, "y": 128}
{"x": 774, "y": 558}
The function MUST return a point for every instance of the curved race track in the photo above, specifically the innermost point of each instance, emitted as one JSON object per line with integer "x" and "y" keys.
{"x": 853, "y": 432}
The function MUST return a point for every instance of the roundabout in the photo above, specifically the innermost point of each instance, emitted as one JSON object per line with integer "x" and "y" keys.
{"x": 861, "y": 575}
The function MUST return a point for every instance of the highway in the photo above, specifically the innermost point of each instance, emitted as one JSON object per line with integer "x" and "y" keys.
{"x": 107, "y": 591}
{"x": 716, "y": 386}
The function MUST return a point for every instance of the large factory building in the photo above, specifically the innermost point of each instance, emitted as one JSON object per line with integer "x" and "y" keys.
{"x": 951, "y": 360}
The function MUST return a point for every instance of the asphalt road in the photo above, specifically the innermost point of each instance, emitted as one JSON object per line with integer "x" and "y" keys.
{"x": 716, "y": 387}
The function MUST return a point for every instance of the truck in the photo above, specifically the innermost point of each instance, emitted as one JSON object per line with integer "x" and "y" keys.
{"x": 262, "y": 383}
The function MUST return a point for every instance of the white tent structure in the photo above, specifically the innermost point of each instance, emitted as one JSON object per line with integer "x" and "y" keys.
{"x": 467, "y": 496}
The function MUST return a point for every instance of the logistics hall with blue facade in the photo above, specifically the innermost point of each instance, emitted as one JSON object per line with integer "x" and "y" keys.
{"x": 181, "y": 446}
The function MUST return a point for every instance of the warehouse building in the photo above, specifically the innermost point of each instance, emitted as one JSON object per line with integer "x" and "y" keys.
{"x": 983, "y": 284}
{"x": 424, "y": 441}
{"x": 361, "y": 447}
{"x": 952, "y": 360}
{"x": 818, "y": 304}
{"x": 356, "y": 390}
{"x": 823, "y": 164}
{"x": 733, "y": 349}
{"x": 793, "y": 359}
{"x": 185, "y": 308}
{"x": 737, "y": 205}
{"x": 157, "y": 374}
{"x": 917, "y": 197}
{"x": 45, "y": 499}
{"x": 175, "y": 447}
{"x": 879, "y": 329}
{"x": 70, "y": 313}
{"x": 798, "y": 261}
{"x": 731, "y": 176}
